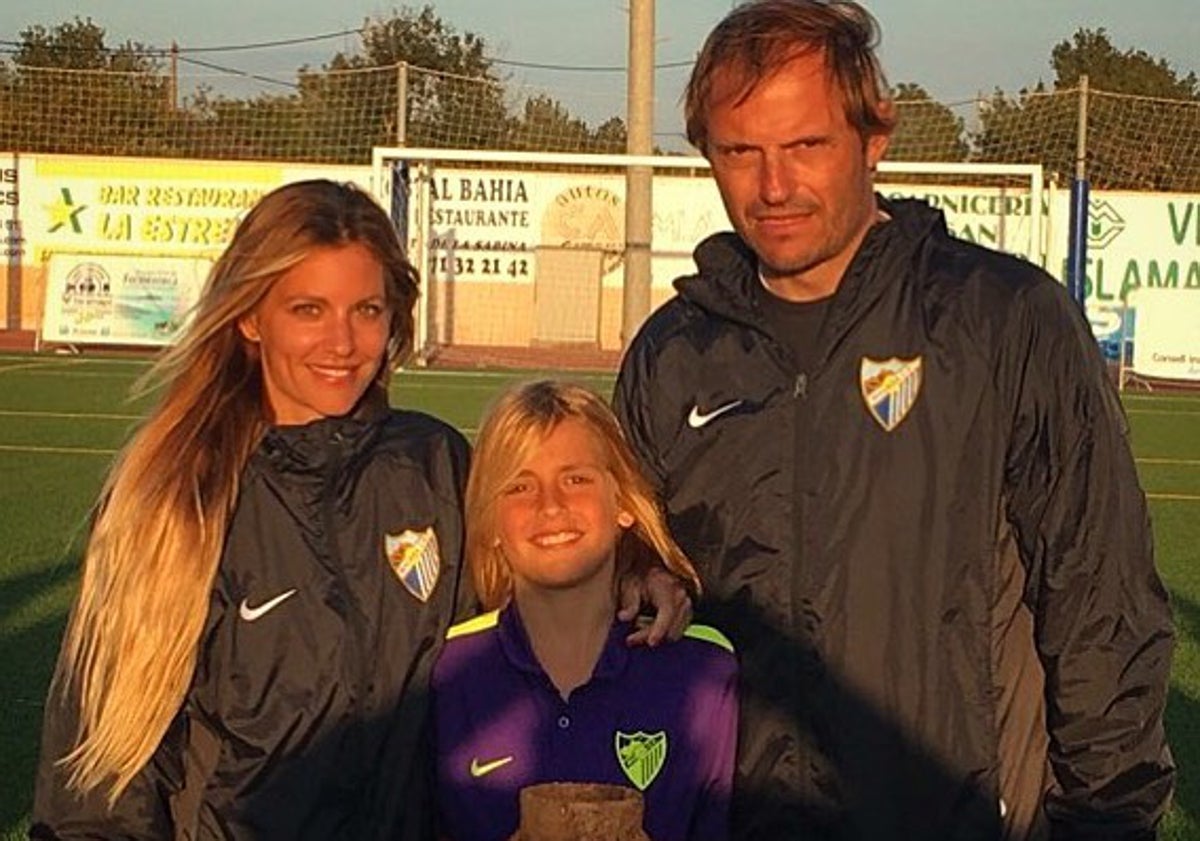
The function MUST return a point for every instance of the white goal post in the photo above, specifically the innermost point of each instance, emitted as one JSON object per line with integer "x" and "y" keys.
{"x": 521, "y": 253}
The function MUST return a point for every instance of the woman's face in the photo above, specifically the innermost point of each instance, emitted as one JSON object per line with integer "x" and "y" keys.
{"x": 322, "y": 331}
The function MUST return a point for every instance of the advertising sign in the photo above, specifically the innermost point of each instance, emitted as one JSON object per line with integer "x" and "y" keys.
{"x": 995, "y": 217}
{"x": 125, "y": 243}
{"x": 486, "y": 225}
{"x": 148, "y": 206}
{"x": 1169, "y": 333}
{"x": 1137, "y": 242}
{"x": 120, "y": 300}
{"x": 12, "y": 242}
{"x": 10, "y": 201}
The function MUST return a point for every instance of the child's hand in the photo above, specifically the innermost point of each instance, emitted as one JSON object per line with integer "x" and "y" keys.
{"x": 663, "y": 592}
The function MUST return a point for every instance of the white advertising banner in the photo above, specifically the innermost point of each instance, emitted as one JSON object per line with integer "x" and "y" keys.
{"x": 995, "y": 217}
{"x": 487, "y": 224}
{"x": 140, "y": 300}
{"x": 126, "y": 241}
{"x": 1168, "y": 323}
{"x": 1137, "y": 242}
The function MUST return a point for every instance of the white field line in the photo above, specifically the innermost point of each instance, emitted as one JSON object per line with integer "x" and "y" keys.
{"x": 1175, "y": 497}
{"x": 44, "y": 365}
{"x": 15, "y": 413}
{"x": 450, "y": 373}
{"x": 1179, "y": 412}
{"x": 60, "y": 374}
{"x": 433, "y": 379}
{"x": 73, "y": 359}
{"x": 90, "y": 451}
{"x": 81, "y": 451}
{"x": 62, "y": 365}
{"x": 468, "y": 431}
{"x": 1158, "y": 398}
{"x": 463, "y": 381}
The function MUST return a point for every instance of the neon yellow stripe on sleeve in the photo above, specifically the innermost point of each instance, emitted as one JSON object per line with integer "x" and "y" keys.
{"x": 482, "y": 622}
{"x": 707, "y": 633}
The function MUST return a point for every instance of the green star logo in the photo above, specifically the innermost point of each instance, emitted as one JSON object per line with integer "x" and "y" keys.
{"x": 63, "y": 212}
{"x": 641, "y": 756}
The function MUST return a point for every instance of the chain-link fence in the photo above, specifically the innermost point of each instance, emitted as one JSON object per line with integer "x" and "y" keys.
{"x": 329, "y": 116}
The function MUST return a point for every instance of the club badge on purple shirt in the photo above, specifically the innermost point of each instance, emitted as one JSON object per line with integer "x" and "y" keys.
{"x": 641, "y": 756}
{"x": 890, "y": 388}
{"x": 414, "y": 557}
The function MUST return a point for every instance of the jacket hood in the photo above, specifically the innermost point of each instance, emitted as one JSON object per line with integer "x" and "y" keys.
{"x": 728, "y": 267}
{"x": 313, "y": 447}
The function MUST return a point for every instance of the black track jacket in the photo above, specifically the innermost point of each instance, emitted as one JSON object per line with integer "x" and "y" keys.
{"x": 931, "y": 551}
{"x": 307, "y": 713}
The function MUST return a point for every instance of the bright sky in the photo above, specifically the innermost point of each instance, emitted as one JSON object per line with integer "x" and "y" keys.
{"x": 955, "y": 49}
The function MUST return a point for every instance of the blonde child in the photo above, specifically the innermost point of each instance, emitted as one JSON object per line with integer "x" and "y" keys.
{"x": 543, "y": 688}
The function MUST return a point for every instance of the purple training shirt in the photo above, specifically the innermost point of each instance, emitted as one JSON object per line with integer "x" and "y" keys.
{"x": 661, "y": 720}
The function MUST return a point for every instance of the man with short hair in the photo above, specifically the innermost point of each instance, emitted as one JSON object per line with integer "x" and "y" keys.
{"x": 904, "y": 478}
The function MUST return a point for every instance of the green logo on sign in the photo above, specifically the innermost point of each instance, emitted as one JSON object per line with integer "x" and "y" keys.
{"x": 641, "y": 756}
{"x": 1105, "y": 224}
{"x": 63, "y": 211}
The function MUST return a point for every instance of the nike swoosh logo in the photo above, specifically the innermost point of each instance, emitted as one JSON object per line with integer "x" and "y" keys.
{"x": 250, "y": 614}
{"x": 479, "y": 769}
{"x": 697, "y": 419}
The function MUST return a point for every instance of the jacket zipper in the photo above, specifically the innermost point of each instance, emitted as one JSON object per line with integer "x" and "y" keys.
{"x": 801, "y": 561}
{"x": 802, "y": 470}
{"x": 356, "y": 672}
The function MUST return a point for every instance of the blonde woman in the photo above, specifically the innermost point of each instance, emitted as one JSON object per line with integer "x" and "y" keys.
{"x": 543, "y": 688}
{"x": 272, "y": 562}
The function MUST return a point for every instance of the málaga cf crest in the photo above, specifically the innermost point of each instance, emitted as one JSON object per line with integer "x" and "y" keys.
{"x": 641, "y": 756}
{"x": 890, "y": 388}
{"x": 414, "y": 558}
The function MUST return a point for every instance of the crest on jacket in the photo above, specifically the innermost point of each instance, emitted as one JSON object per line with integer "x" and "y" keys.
{"x": 890, "y": 387}
{"x": 414, "y": 557}
{"x": 641, "y": 756}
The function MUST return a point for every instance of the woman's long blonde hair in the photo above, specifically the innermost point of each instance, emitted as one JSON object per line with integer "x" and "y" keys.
{"x": 159, "y": 527}
{"x": 516, "y": 425}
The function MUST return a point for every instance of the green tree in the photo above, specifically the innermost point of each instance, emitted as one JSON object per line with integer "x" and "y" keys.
{"x": 927, "y": 130}
{"x": 610, "y": 137}
{"x": 453, "y": 96}
{"x": 1143, "y": 118}
{"x": 1034, "y": 126}
{"x": 545, "y": 124}
{"x": 1143, "y": 115}
{"x": 1091, "y": 53}
{"x": 79, "y": 45}
{"x": 350, "y": 104}
{"x": 68, "y": 91}
{"x": 264, "y": 127}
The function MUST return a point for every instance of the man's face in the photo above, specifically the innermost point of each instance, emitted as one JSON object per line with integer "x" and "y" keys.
{"x": 795, "y": 177}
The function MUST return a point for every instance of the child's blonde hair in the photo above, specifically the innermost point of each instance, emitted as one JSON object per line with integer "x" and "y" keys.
{"x": 518, "y": 422}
